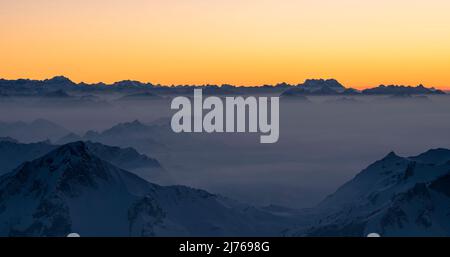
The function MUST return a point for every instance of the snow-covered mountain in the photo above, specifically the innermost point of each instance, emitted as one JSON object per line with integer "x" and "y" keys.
{"x": 72, "y": 190}
{"x": 395, "y": 196}
{"x": 12, "y": 154}
{"x": 125, "y": 158}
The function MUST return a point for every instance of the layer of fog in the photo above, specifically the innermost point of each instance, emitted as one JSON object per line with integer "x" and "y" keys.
{"x": 323, "y": 143}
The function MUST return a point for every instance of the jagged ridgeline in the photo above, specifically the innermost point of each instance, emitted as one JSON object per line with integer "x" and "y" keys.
{"x": 61, "y": 87}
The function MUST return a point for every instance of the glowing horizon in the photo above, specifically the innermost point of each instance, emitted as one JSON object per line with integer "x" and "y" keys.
{"x": 253, "y": 42}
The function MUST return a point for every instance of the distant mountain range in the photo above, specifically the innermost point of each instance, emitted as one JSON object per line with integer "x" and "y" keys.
{"x": 140, "y": 136}
{"x": 37, "y": 130}
{"x": 60, "y": 86}
{"x": 153, "y": 138}
{"x": 318, "y": 87}
{"x": 401, "y": 90}
{"x": 333, "y": 87}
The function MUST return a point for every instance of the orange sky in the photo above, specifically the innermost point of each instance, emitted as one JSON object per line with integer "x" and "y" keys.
{"x": 243, "y": 42}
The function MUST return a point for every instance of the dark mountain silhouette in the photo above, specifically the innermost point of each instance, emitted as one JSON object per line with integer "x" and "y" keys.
{"x": 318, "y": 87}
{"x": 402, "y": 90}
{"x": 59, "y": 81}
{"x": 142, "y": 137}
{"x": 318, "y": 84}
{"x": 35, "y": 131}
{"x": 26, "y": 87}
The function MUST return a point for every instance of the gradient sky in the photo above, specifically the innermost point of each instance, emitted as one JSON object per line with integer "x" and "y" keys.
{"x": 243, "y": 42}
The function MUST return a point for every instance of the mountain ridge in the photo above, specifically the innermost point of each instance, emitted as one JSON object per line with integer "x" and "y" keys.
{"x": 14, "y": 153}
{"x": 313, "y": 83}
{"x": 71, "y": 190}
{"x": 394, "y": 196}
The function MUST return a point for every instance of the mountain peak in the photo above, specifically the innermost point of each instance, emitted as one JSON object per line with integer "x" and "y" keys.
{"x": 132, "y": 124}
{"x": 391, "y": 155}
{"x": 395, "y": 196}
{"x": 61, "y": 193}
{"x": 78, "y": 148}
{"x": 67, "y": 169}
{"x": 136, "y": 122}
{"x": 72, "y": 154}
{"x": 129, "y": 83}
{"x": 323, "y": 82}
{"x": 59, "y": 79}
{"x": 316, "y": 87}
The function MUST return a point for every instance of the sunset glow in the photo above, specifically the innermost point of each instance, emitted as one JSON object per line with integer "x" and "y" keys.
{"x": 252, "y": 42}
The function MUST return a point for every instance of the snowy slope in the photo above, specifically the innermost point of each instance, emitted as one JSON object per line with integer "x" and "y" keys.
{"x": 12, "y": 154}
{"x": 395, "y": 196}
{"x": 72, "y": 190}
